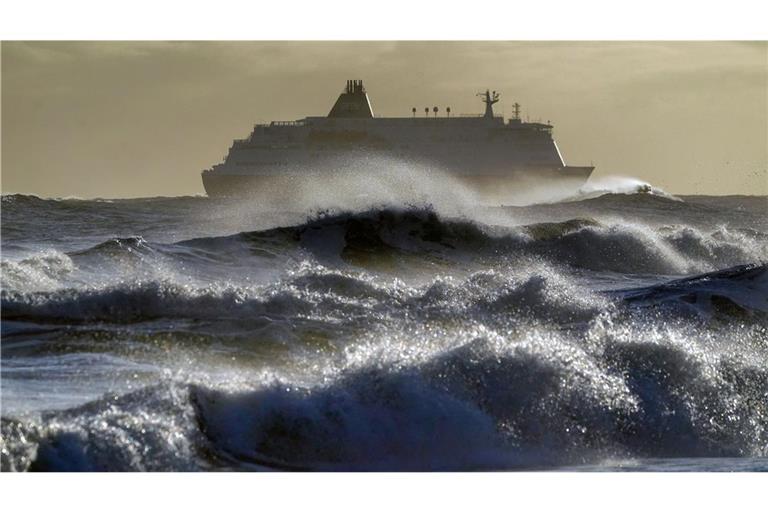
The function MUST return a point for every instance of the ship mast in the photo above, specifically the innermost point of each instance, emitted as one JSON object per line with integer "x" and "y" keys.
{"x": 489, "y": 99}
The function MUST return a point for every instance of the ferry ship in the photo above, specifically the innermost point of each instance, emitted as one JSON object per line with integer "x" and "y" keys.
{"x": 492, "y": 156}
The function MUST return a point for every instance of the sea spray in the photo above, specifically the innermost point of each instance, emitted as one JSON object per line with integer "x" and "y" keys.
{"x": 392, "y": 332}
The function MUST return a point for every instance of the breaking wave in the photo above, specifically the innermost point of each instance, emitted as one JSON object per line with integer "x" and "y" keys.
{"x": 312, "y": 292}
{"x": 484, "y": 399}
{"x": 584, "y": 243}
{"x": 390, "y": 338}
{"x": 619, "y": 185}
{"x": 391, "y": 239}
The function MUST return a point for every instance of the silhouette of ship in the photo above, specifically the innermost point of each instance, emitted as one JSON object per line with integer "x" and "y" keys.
{"x": 496, "y": 158}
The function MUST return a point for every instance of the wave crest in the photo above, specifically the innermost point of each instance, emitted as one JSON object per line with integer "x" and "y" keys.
{"x": 492, "y": 402}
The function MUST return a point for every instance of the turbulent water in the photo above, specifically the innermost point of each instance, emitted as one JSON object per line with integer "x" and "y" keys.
{"x": 609, "y": 330}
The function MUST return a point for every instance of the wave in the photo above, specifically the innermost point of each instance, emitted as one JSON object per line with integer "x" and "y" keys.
{"x": 552, "y": 194}
{"x": 739, "y": 292}
{"x": 151, "y": 429}
{"x": 109, "y": 279}
{"x": 493, "y": 400}
{"x": 21, "y": 202}
{"x": 342, "y": 309}
{"x": 619, "y": 186}
{"x": 316, "y": 292}
{"x": 451, "y": 385}
{"x": 33, "y": 198}
{"x": 380, "y": 234}
{"x": 632, "y": 200}
{"x": 20, "y": 198}
{"x": 44, "y": 271}
{"x": 384, "y": 338}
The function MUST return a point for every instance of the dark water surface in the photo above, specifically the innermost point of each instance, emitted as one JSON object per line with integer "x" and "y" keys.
{"x": 612, "y": 332}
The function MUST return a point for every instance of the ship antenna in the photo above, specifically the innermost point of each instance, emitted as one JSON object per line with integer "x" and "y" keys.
{"x": 489, "y": 100}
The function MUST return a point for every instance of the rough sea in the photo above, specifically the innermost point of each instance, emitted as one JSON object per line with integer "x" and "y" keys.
{"x": 615, "y": 328}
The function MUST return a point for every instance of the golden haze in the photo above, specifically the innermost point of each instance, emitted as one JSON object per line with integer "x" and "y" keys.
{"x": 126, "y": 119}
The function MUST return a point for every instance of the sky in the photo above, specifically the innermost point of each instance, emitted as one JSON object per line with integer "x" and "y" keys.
{"x": 131, "y": 119}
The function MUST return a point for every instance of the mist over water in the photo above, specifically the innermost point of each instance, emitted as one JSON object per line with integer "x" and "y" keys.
{"x": 387, "y": 322}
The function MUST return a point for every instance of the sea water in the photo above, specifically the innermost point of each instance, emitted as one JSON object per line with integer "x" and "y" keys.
{"x": 614, "y": 329}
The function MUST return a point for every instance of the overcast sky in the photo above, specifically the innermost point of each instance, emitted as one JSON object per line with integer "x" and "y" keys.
{"x": 108, "y": 119}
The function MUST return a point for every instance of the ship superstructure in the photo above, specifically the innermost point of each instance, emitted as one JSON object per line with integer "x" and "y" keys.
{"x": 494, "y": 156}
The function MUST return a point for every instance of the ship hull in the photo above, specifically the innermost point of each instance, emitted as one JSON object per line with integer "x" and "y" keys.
{"x": 493, "y": 188}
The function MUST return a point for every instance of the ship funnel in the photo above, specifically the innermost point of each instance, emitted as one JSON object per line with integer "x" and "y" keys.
{"x": 353, "y": 102}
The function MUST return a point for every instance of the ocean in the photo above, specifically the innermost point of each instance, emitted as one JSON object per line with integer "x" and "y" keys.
{"x": 617, "y": 329}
